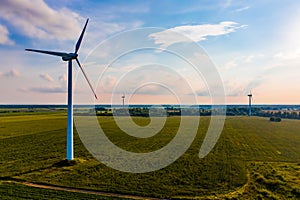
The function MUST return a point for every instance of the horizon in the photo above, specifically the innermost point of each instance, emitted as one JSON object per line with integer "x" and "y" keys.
{"x": 226, "y": 105}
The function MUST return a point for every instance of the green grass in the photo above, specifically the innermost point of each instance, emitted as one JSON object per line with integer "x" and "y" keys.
{"x": 10, "y": 190}
{"x": 32, "y": 146}
{"x": 273, "y": 181}
{"x": 15, "y": 126}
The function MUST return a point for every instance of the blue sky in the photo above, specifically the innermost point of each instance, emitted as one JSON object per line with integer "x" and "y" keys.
{"x": 253, "y": 44}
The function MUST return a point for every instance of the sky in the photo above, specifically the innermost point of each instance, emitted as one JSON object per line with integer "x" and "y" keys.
{"x": 136, "y": 48}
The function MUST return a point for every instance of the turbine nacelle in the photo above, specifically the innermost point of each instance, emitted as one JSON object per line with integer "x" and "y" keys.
{"x": 69, "y": 56}
{"x": 250, "y": 94}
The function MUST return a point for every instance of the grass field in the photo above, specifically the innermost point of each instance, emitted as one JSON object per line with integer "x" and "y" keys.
{"x": 254, "y": 158}
{"x": 9, "y": 190}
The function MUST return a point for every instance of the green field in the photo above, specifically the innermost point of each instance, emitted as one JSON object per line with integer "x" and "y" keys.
{"x": 254, "y": 158}
{"x": 9, "y": 190}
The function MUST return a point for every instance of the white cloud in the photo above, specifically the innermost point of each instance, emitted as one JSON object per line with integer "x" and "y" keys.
{"x": 230, "y": 65}
{"x": 63, "y": 81}
{"x": 62, "y": 78}
{"x": 100, "y": 30}
{"x": 60, "y": 87}
{"x": 242, "y": 9}
{"x": 235, "y": 88}
{"x": 109, "y": 83}
{"x": 10, "y": 74}
{"x": 238, "y": 87}
{"x": 227, "y": 3}
{"x": 249, "y": 58}
{"x": 34, "y": 18}
{"x": 109, "y": 28}
{"x": 202, "y": 92}
{"x": 4, "y": 38}
{"x": 49, "y": 89}
{"x": 196, "y": 33}
{"x": 239, "y": 61}
{"x": 287, "y": 55}
{"x": 47, "y": 77}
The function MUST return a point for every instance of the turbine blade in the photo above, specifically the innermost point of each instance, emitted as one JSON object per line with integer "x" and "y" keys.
{"x": 54, "y": 53}
{"x": 86, "y": 77}
{"x": 81, "y": 36}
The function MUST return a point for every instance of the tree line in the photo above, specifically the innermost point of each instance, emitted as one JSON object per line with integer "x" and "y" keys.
{"x": 170, "y": 111}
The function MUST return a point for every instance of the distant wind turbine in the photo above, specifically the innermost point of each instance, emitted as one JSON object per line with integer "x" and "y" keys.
{"x": 69, "y": 57}
{"x": 123, "y": 99}
{"x": 250, "y": 101}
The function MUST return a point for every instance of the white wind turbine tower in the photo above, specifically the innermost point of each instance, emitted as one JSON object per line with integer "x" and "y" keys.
{"x": 250, "y": 102}
{"x": 123, "y": 99}
{"x": 70, "y": 57}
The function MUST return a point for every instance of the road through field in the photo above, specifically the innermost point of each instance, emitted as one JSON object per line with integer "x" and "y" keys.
{"x": 86, "y": 191}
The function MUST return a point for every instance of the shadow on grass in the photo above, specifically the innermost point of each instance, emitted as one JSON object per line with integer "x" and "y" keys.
{"x": 60, "y": 164}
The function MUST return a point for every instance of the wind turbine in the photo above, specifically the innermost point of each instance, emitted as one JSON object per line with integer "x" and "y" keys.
{"x": 123, "y": 99}
{"x": 250, "y": 99}
{"x": 70, "y": 57}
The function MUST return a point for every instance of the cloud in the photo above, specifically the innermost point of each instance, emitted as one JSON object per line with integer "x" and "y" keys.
{"x": 202, "y": 92}
{"x": 36, "y": 19}
{"x": 47, "y": 77}
{"x": 238, "y": 89}
{"x": 196, "y": 33}
{"x": 4, "y": 39}
{"x": 99, "y": 30}
{"x": 137, "y": 8}
{"x": 240, "y": 61}
{"x": 10, "y": 74}
{"x": 62, "y": 78}
{"x": 110, "y": 81}
{"x": 227, "y": 3}
{"x": 230, "y": 65}
{"x": 49, "y": 89}
{"x": 153, "y": 89}
{"x": 291, "y": 55}
{"x": 148, "y": 80}
{"x": 242, "y": 9}
{"x": 60, "y": 87}
{"x": 249, "y": 58}
{"x": 62, "y": 82}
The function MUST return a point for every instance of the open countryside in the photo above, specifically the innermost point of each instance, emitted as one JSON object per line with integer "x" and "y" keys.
{"x": 151, "y": 100}
{"x": 254, "y": 158}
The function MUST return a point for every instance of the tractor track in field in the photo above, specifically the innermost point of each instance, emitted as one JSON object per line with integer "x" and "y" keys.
{"x": 79, "y": 190}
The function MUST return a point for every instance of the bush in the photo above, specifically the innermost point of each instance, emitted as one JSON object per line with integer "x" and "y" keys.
{"x": 275, "y": 119}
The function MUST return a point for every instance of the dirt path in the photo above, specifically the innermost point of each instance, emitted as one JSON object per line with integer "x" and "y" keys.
{"x": 86, "y": 191}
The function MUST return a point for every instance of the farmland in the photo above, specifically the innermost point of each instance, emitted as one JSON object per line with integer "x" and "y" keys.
{"x": 253, "y": 158}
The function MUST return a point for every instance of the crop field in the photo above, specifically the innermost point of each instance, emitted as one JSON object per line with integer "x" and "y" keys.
{"x": 254, "y": 158}
{"x": 10, "y": 190}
